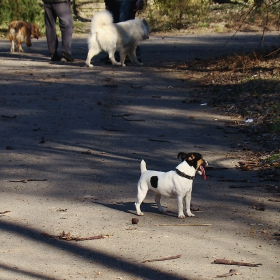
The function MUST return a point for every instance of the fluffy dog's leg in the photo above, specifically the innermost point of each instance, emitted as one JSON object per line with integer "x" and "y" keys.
{"x": 112, "y": 58}
{"x": 19, "y": 47}
{"x": 122, "y": 57}
{"x": 133, "y": 57}
{"x": 91, "y": 53}
{"x": 157, "y": 200}
{"x": 188, "y": 204}
{"x": 181, "y": 214}
{"x": 93, "y": 49}
{"x": 142, "y": 192}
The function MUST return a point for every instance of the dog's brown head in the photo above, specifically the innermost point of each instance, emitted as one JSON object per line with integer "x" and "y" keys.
{"x": 195, "y": 160}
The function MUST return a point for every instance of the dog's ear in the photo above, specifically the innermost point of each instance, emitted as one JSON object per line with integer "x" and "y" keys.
{"x": 146, "y": 24}
{"x": 182, "y": 156}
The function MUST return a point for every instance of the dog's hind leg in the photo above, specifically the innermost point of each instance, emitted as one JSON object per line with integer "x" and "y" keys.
{"x": 188, "y": 204}
{"x": 12, "y": 46}
{"x": 142, "y": 192}
{"x": 157, "y": 200}
{"x": 91, "y": 53}
{"x": 19, "y": 47}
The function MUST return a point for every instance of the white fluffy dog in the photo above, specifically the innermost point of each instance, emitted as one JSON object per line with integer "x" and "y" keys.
{"x": 111, "y": 37}
{"x": 171, "y": 184}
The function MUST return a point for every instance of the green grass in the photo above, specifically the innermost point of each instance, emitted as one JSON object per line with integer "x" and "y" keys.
{"x": 273, "y": 158}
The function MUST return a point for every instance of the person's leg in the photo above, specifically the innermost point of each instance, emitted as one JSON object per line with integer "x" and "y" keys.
{"x": 115, "y": 11}
{"x": 126, "y": 10}
{"x": 50, "y": 22}
{"x": 64, "y": 14}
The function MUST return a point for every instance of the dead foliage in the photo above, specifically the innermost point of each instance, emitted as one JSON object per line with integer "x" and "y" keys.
{"x": 246, "y": 87}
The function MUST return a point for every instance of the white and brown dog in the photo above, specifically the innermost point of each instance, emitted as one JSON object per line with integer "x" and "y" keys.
{"x": 176, "y": 183}
{"x": 21, "y": 31}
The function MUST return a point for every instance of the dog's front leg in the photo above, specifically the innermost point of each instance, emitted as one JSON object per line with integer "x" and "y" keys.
{"x": 112, "y": 58}
{"x": 122, "y": 58}
{"x": 181, "y": 214}
{"x": 188, "y": 204}
{"x": 133, "y": 57}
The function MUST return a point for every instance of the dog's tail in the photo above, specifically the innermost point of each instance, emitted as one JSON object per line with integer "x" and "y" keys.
{"x": 143, "y": 167}
{"x": 100, "y": 19}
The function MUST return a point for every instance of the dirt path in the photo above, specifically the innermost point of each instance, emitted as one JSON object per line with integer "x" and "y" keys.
{"x": 71, "y": 143}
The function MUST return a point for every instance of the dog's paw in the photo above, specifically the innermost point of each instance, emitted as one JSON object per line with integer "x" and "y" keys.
{"x": 190, "y": 214}
{"x": 115, "y": 63}
{"x": 88, "y": 64}
{"x": 140, "y": 214}
{"x": 181, "y": 216}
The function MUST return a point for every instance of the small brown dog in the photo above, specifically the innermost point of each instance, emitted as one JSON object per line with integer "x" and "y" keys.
{"x": 21, "y": 31}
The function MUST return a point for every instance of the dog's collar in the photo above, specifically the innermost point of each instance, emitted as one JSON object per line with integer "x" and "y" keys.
{"x": 182, "y": 174}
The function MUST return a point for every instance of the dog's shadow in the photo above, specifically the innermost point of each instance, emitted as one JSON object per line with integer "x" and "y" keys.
{"x": 129, "y": 207}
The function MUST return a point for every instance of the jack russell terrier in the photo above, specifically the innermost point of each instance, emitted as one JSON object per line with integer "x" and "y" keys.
{"x": 172, "y": 183}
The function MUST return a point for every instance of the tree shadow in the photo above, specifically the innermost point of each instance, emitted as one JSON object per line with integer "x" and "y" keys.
{"x": 113, "y": 262}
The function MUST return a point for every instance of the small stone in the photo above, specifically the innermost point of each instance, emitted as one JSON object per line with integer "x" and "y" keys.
{"x": 135, "y": 221}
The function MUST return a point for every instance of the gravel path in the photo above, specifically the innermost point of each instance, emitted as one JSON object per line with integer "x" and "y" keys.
{"x": 71, "y": 143}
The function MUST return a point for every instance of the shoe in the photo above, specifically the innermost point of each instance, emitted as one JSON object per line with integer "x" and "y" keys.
{"x": 55, "y": 57}
{"x": 67, "y": 57}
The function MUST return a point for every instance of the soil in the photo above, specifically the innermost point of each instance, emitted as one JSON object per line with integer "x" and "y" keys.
{"x": 72, "y": 139}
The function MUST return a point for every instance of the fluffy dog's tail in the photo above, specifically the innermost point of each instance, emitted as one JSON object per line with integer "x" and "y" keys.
{"x": 143, "y": 167}
{"x": 100, "y": 19}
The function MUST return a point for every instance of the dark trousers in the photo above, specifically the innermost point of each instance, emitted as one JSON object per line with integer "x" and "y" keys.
{"x": 123, "y": 11}
{"x": 63, "y": 12}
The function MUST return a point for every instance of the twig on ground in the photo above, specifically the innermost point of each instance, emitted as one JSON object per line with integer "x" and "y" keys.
{"x": 229, "y": 262}
{"x": 133, "y": 120}
{"x": 163, "y": 259}
{"x": 274, "y": 199}
{"x": 2, "y": 213}
{"x": 27, "y": 180}
{"x": 158, "y": 140}
{"x": 136, "y": 87}
{"x": 121, "y": 115}
{"x": 9, "y": 117}
{"x": 111, "y": 128}
{"x": 68, "y": 237}
{"x": 184, "y": 225}
{"x": 230, "y": 273}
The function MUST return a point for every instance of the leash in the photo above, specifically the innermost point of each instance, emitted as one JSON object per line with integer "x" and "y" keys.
{"x": 182, "y": 174}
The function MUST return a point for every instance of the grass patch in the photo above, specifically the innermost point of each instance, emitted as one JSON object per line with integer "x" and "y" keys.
{"x": 274, "y": 158}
